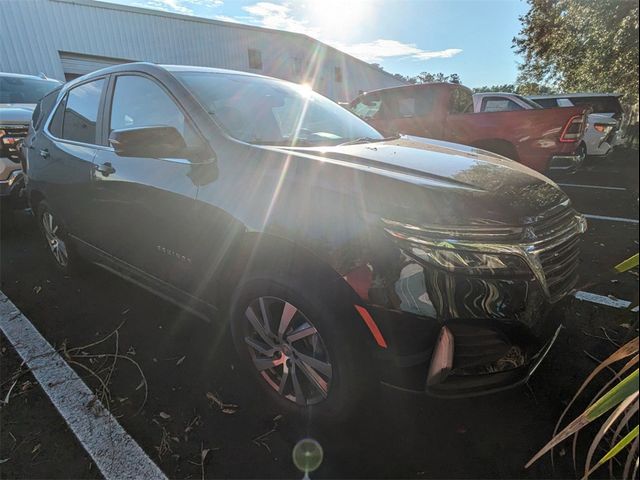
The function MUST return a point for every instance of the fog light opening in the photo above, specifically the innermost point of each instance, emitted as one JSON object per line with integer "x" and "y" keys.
{"x": 442, "y": 358}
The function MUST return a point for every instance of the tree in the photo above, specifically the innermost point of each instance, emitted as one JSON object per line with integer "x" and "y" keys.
{"x": 581, "y": 45}
{"x": 525, "y": 88}
{"x": 508, "y": 88}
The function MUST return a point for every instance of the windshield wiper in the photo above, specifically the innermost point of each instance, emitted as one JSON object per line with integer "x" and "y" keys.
{"x": 359, "y": 140}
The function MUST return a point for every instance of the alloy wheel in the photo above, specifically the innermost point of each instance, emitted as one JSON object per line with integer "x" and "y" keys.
{"x": 57, "y": 246}
{"x": 287, "y": 350}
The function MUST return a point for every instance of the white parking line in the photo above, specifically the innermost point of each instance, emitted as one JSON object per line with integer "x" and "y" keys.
{"x": 602, "y": 300}
{"x": 599, "y": 187}
{"x": 611, "y": 219}
{"x": 114, "y": 452}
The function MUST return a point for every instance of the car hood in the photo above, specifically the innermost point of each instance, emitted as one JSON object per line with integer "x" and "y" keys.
{"x": 16, "y": 113}
{"x": 457, "y": 184}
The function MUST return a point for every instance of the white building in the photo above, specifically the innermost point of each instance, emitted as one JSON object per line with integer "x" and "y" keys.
{"x": 67, "y": 38}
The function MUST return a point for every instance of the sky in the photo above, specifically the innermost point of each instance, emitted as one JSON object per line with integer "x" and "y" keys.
{"x": 469, "y": 37}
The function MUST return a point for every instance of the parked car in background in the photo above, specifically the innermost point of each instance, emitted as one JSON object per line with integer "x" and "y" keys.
{"x": 538, "y": 138}
{"x": 342, "y": 257}
{"x": 603, "y": 131}
{"x": 18, "y": 97}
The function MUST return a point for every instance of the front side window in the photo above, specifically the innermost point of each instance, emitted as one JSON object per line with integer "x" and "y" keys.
{"x": 461, "y": 101}
{"x": 81, "y": 112}
{"x": 271, "y": 112}
{"x": 140, "y": 102}
{"x": 499, "y": 104}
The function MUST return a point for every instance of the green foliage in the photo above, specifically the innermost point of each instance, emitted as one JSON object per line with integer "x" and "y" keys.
{"x": 581, "y": 45}
{"x": 426, "y": 77}
{"x": 621, "y": 396}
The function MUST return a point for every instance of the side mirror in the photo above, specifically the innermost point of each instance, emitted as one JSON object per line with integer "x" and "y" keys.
{"x": 149, "y": 142}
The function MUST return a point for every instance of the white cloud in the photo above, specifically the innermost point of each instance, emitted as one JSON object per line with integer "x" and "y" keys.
{"x": 280, "y": 16}
{"x": 226, "y": 18}
{"x": 184, "y": 7}
{"x": 448, "y": 53}
{"x": 381, "y": 49}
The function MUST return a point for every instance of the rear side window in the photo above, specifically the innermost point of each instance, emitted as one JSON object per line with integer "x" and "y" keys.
{"x": 461, "y": 101}
{"x": 499, "y": 104}
{"x": 546, "y": 102}
{"x": 367, "y": 107}
{"x": 81, "y": 112}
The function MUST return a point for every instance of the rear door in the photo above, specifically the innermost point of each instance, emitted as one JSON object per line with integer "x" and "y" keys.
{"x": 146, "y": 206}
{"x": 65, "y": 154}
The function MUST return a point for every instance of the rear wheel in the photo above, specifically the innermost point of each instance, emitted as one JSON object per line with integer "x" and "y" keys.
{"x": 300, "y": 348}
{"x": 52, "y": 228}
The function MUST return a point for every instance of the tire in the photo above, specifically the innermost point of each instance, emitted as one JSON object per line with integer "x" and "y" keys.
{"x": 60, "y": 250}
{"x": 333, "y": 353}
{"x": 582, "y": 153}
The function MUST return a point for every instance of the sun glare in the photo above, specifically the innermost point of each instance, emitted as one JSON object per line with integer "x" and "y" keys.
{"x": 338, "y": 16}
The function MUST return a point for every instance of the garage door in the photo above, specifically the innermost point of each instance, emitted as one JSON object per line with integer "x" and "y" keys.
{"x": 77, "y": 64}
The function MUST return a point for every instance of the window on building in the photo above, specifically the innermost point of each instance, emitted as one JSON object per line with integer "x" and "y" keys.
{"x": 255, "y": 59}
{"x": 296, "y": 67}
{"x": 130, "y": 108}
{"x": 338, "y": 74}
{"x": 81, "y": 112}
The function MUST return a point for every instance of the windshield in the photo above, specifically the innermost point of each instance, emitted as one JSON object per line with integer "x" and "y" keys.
{"x": 270, "y": 112}
{"x": 24, "y": 90}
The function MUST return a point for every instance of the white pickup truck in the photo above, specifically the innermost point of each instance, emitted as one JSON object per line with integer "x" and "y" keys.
{"x": 599, "y": 136}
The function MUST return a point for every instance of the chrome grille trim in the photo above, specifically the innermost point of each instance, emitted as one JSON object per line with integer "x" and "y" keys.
{"x": 549, "y": 244}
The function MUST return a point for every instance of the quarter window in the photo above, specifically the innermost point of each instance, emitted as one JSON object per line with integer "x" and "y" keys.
{"x": 140, "y": 102}
{"x": 81, "y": 112}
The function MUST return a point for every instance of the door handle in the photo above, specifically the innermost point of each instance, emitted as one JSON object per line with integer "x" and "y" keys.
{"x": 44, "y": 153}
{"x": 106, "y": 169}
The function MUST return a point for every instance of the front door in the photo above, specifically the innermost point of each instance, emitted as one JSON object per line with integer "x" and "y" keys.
{"x": 146, "y": 206}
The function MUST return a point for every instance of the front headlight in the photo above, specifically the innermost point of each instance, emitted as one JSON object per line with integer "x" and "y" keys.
{"x": 471, "y": 250}
{"x": 472, "y": 263}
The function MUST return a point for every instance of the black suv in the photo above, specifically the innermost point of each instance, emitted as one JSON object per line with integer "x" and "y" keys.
{"x": 339, "y": 257}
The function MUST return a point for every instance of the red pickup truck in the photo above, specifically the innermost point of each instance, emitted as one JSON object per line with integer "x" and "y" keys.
{"x": 542, "y": 139}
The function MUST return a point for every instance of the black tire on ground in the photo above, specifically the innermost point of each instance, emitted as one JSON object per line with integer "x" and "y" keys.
{"x": 59, "y": 247}
{"x": 339, "y": 344}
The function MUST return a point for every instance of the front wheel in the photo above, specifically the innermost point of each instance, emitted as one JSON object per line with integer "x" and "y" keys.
{"x": 301, "y": 349}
